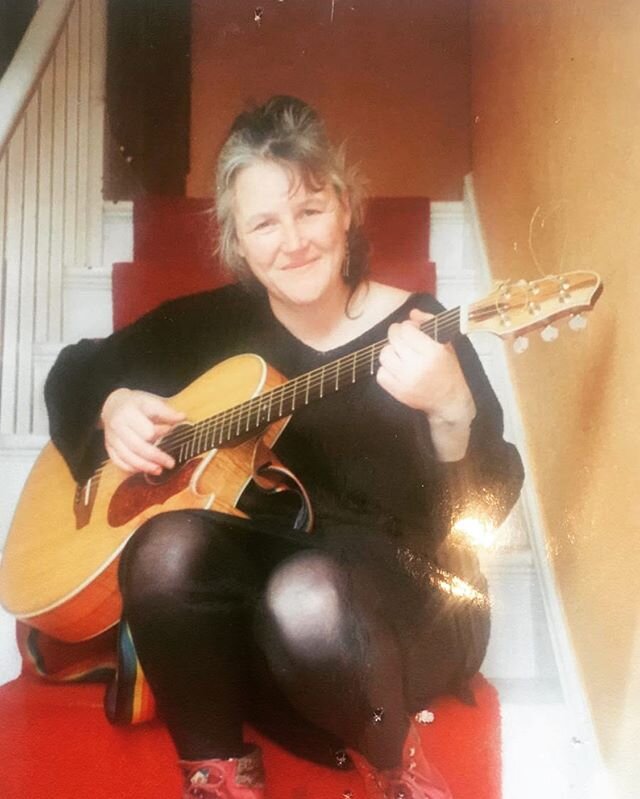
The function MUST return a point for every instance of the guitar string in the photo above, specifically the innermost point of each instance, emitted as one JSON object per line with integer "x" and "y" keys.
{"x": 306, "y": 383}
{"x": 289, "y": 389}
{"x": 232, "y": 418}
{"x": 446, "y": 322}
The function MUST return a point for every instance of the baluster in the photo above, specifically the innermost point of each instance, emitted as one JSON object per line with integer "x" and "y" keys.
{"x": 44, "y": 204}
{"x": 83, "y": 48}
{"x": 97, "y": 62}
{"x": 70, "y": 38}
{"x": 3, "y": 235}
{"x": 29, "y": 229}
{"x": 59, "y": 67}
{"x": 15, "y": 189}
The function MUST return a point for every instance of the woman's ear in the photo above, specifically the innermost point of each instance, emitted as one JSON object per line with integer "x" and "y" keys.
{"x": 237, "y": 246}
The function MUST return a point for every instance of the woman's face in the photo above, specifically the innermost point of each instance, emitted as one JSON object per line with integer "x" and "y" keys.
{"x": 292, "y": 236}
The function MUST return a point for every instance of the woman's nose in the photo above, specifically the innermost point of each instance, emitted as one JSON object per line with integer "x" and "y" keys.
{"x": 293, "y": 236}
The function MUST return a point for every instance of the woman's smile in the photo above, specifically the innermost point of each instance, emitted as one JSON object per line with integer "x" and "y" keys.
{"x": 299, "y": 264}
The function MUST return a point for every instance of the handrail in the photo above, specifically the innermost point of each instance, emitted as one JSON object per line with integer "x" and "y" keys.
{"x": 32, "y": 56}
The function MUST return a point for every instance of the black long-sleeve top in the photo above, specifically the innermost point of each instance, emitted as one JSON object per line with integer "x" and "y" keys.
{"x": 362, "y": 456}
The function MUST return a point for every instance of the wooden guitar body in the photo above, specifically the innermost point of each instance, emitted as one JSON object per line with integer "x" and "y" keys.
{"x": 59, "y": 566}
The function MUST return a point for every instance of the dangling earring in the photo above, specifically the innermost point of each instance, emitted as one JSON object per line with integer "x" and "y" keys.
{"x": 346, "y": 263}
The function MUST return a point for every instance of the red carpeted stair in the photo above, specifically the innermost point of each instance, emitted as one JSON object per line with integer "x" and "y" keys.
{"x": 55, "y": 742}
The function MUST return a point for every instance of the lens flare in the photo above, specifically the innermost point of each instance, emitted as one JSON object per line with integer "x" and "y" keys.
{"x": 478, "y": 533}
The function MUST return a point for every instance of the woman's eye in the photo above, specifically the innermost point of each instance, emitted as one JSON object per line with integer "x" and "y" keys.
{"x": 311, "y": 211}
{"x": 266, "y": 223}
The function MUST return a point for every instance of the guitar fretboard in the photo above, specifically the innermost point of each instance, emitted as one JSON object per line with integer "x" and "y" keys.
{"x": 247, "y": 419}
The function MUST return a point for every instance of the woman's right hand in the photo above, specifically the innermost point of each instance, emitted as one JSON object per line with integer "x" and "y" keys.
{"x": 133, "y": 421}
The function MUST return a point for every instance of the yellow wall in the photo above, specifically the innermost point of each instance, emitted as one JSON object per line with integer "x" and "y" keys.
{"x": 391, "y": 75}
{"x": 556, "y": 125}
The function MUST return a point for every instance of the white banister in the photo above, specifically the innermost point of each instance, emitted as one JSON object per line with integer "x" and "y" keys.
{"x": 51, "y": 151}
{"x": 31, "y": 59}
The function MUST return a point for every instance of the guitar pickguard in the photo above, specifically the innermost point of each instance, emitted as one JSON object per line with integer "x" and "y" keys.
{"x": 135, "y": 494}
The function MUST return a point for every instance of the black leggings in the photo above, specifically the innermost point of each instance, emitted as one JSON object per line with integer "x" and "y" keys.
{"x": 297, "y": 634}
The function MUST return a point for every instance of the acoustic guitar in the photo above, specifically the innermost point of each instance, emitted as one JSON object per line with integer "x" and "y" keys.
{"x": 58, "y": 571}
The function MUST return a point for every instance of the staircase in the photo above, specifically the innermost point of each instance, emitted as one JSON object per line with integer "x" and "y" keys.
{"x": 58, "y": 241}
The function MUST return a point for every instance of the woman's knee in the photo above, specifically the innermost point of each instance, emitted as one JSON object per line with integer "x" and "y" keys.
{"x": 306, "y": 600}
{"x": 173, "y": 550}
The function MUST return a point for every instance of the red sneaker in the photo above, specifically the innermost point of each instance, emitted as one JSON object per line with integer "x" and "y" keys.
{"x": 415, "y": 778}
{"x": 235, "y": 778}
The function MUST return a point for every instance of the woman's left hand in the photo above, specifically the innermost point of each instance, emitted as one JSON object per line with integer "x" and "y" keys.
{"x": 426, "y": 375}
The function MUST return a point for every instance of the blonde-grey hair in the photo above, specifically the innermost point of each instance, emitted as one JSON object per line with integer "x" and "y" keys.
{"x": 289, "y": 132}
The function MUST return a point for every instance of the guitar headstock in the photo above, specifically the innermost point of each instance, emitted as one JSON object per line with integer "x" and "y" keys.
{"x": 517, "y": 308}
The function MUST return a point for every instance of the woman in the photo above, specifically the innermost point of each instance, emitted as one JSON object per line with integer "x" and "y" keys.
{"x": 327, "y": 642}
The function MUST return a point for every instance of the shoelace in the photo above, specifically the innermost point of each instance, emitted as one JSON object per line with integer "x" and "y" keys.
{"x": 207, "y": 784}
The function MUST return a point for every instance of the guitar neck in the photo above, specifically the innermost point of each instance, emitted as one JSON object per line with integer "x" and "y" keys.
{"x": 245, "y": 420}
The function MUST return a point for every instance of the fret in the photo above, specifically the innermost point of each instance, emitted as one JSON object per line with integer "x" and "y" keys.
{"x": 270, "y": 395}
{"x": 322, "y": 382}
{"x": 435, "y": 328}
{"x": 201, "y": 440}
{"x": 200, "y": 427}
{"x": 229, "y": 430}
{"x": 306, "y": 393}
{"x": 373, "y": 366}
{"x": 215, "y": 434}
{"x": 353, "y": 371}
{"x": 187, "y": 447}
{"x": 337, "y": 375}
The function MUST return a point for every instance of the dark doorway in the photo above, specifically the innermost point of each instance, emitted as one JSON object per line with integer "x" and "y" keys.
{"x": 148, "y": 97}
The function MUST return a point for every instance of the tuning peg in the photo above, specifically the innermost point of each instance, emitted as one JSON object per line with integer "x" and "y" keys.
{"x": 521, "y": 344}
{"x": 550, "y": 333}
{"x": 577, "y": 322}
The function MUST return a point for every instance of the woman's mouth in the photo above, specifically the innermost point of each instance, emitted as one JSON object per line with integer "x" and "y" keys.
{"x": 298, "y": 264}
